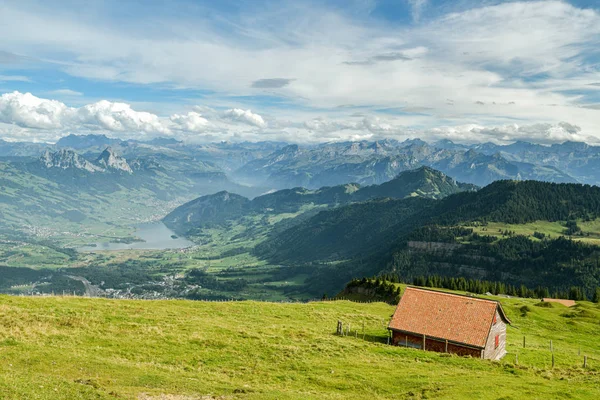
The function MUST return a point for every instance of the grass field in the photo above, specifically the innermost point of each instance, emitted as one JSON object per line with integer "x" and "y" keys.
{"x": 553, "y": 230}
{"x": 67, "y": 348}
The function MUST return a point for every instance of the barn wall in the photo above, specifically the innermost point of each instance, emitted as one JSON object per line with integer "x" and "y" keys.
{"x": 416, "y": 342}
{"x": 499, "y": 328}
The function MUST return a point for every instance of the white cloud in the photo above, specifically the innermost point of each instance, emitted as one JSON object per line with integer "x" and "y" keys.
{"x": 25, "y": 117}
{"x": 190, "y": 122}
{"x": 245, "y": 116}
{"x": 478, "y": 54}
{"x": 534, "y": 54}
{"x": 536, "y": 133}
{"x": 29, "y": 111}
{"x": 322, "y": 125}
{"x": 119, "y": 117}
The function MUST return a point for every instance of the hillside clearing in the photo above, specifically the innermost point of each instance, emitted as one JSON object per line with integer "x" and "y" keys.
{"x": 590, "y": 230}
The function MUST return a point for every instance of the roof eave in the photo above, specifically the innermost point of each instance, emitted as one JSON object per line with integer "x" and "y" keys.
{"x": 473, "y": 346}
{"x": 503, "y": 314}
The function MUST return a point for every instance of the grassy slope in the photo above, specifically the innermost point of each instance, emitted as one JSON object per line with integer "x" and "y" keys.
{"x": 553, "y": 230}
{"x": 64, "y": 348}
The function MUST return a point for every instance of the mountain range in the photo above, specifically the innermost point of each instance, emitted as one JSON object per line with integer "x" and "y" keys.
{"x": 377, "y": 162}
{"x": 99, "y": 188}
{"x": 221, "y": 207}
{"x": 278, "y": 165}
{"x": 81, "y": 169}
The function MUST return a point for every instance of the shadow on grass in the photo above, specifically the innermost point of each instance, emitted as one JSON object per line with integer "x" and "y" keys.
{"x": 366, "y": 337}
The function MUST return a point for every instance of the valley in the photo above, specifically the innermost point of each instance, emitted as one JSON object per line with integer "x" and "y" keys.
{"x": 77, "y": 211}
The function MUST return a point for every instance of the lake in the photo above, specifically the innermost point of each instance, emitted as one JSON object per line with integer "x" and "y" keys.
{"x": 155, "y": 236}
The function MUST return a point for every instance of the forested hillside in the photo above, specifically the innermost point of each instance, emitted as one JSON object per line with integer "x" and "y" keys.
{"x": 424, "y": 237}
{"x": 219, "y": 208}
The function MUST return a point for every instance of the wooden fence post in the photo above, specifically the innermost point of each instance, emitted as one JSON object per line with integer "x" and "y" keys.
{"x": 363, "y": 329}
{"x": 406, "y": 341}
{"x": 423, "y": 342}
{"x": 551, "y": 345}
{"x": 446, "y": 345}
{"x": 517, "y": 359}
{"x": 584, "y": 361}
{"x": 523, "y": 341}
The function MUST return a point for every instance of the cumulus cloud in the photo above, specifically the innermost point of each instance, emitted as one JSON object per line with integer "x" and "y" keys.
{"x": 244, "y": 116}
{"x": 119, "y": 117}
{"x": 29, "y": 111}
{"x": 46, "y": 119}
{"x": 26, "y": 117}
{"x": 190, "y": 122}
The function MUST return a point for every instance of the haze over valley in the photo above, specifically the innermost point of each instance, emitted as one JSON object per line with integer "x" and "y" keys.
{"x": 264, "y": 220}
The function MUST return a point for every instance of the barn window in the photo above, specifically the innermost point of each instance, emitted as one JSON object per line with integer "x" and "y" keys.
{"x": 496, "y": 341}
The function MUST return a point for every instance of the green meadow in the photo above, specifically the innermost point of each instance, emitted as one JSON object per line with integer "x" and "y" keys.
{"x": 81, "y": 348}
{"x": 590, "y": 230}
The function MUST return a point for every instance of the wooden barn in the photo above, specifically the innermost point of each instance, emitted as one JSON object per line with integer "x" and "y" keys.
{"x": 444, "y": 322}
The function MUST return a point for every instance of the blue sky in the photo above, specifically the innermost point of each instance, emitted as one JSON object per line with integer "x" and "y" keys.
{"x": 303, "y": 71}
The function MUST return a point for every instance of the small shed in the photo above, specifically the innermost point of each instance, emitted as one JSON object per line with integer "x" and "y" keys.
{"x": 445, "y": 322}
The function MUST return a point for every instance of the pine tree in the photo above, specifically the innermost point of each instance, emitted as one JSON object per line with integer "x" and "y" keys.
{"x": 596, "y": 298}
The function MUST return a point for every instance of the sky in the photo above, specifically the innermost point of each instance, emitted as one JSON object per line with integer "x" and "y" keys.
{"x": 301, "y": 71}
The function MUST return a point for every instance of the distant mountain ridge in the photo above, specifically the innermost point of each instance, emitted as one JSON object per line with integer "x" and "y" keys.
{"x": 108, "y": 159}
{"x": 220, "y": 207}
{"x": 279, "y": 165}
{"x": 69, "y": 159}
{"x": 376, "y": 162}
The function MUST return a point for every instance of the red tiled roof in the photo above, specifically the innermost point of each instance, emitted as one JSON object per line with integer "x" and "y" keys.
{"x": 459, "y": 319}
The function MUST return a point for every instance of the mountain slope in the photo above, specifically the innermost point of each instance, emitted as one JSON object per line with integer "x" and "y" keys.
{"x": 67, "y": 159}
{"x": 421, "y": 182}
{"x": 345, "y": 232}
{"x": 216, "y": 209}
{"x": 377, "y": 225}
{"x": 109, "y": 160}
{"x": 206, "y": 211}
